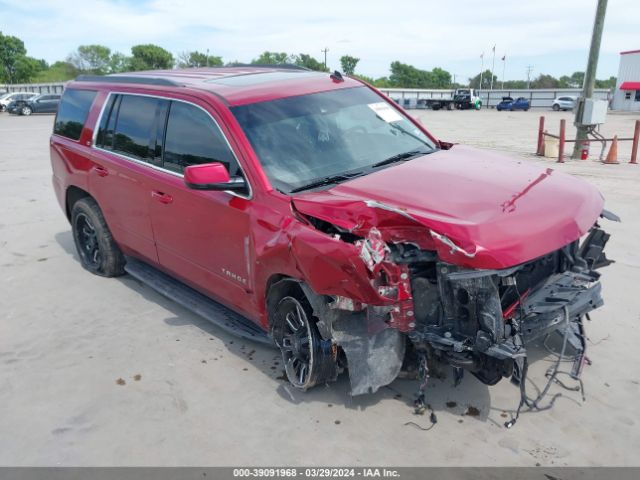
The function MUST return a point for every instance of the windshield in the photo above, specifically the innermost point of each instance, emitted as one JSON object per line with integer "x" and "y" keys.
{"x": 342, "y": 133}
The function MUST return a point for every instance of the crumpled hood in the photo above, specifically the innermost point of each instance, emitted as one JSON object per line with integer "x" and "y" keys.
{"x": 476, "y": 208}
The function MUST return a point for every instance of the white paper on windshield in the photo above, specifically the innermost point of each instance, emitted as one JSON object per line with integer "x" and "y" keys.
{"x": 385, "y": 112}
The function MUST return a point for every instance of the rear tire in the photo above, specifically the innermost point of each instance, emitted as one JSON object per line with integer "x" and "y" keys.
{"x": 98, "y": 252}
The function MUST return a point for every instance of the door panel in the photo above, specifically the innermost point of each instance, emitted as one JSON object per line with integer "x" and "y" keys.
{"x": 203, "y": 238}
{"x": 121, "y": 188}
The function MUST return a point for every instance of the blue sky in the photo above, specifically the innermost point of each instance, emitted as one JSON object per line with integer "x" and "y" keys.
{"x": 551, "y": 35}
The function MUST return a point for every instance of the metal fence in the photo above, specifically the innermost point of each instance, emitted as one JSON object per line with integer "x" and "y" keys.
{"x": 539, "y": 98}
{"x": 57, "y": 87}
{"x": 407, "y": 97}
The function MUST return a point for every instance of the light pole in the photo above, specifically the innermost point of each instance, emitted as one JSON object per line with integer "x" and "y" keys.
{"x": 504, "y": 64}
{"x": 493, "y": 67}
{"x": 481, "y": 69}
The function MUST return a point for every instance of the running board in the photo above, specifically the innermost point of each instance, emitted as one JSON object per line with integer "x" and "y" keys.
{"x": 198, "y": 303}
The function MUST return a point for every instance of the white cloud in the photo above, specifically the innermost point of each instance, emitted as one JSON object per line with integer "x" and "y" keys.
{"x": 424, "y": 33}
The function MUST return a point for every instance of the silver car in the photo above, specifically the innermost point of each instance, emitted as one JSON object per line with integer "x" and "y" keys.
{"x": 564, "y": 103}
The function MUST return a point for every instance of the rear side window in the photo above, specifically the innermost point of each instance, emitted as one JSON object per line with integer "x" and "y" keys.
{"x": 129, "y": 126}
{"x": 192, "y": 138}
{"x": 72, "y": 112}
{"x": 135, "y": 128}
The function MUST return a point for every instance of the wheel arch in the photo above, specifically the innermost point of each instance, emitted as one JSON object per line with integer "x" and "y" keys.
{"x": 72, "y": 195}
{"x": 278, "y": 286}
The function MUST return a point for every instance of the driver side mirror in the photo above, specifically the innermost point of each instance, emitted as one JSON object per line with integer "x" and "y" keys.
{"x": 212, "y": 176}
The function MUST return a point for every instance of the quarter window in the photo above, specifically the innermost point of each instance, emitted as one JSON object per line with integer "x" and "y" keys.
{"x": 193, "y": 138}
{"x": 637, "y": 95}
{"x": 72, "y": 112}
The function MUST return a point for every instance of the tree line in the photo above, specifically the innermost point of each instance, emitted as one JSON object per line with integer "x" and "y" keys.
{"x": 17, "y": 67}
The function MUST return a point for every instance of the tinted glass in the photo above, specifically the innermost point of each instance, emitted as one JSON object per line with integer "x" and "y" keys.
{"x": 72, "y": 113}
{"x": 135, "y": 126}
{"x": 193, "y": 138}
{"x": 107, "y": 122}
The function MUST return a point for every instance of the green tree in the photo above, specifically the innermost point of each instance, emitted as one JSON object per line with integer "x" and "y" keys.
{"x": 57, "y": 72}
{"x": 198, "y": 59}
{"x": 514, "y": 84}
{"x": 440, "y": 78}
{"x": 12, "y": 51}
{"x": 272, "y": 58}
{"x": 545, "y": 81}
{"x": 26, "y": 68}
{"x": 408, "y": 76}
{"x": 348, "y": 64}
{"x": 307, "y": 61}
{"x": 91, "y": 59}
{"x": 486, "y": 80}
{"x": 150, "y": 57}
{"x": 609, "y": 83}
{"x": 118, "y": 62}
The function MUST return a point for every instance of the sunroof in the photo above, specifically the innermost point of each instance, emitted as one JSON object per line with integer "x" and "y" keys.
{"x": 258, "y": 78}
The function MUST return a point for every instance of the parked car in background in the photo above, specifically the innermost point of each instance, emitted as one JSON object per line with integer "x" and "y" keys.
{"x": 564, "y": 103}
{"x": 45, "y": 103}
{"x": 7, "y": 98}
{"x": 510, "y": 104}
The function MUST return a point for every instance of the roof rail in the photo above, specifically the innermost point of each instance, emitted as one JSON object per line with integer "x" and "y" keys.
{"x": 287, "y": 66}
{"x": 143, "y": 80}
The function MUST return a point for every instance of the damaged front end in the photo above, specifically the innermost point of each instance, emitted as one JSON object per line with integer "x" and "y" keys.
{"x": 425, "y": 308}
{"x": 481, "y": 321}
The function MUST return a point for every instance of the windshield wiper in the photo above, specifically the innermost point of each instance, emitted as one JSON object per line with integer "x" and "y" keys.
{"x": 330, "y": 180}
{"x": 400, "y": 157}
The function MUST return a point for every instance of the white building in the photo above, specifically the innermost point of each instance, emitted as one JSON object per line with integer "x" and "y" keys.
{"x": 627, "y": 93}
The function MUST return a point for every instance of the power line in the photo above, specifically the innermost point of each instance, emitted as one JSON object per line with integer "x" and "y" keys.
{"x": 529, "y": 70}
{"x": 325, "y": 50}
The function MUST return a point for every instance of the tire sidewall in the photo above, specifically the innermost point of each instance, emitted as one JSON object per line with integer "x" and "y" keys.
{"x": 111, "y": 259}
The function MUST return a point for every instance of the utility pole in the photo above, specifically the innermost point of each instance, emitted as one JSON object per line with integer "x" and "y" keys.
{"x": 529, "y": 70}
{"x": 481, "y": 69}
{"x": 589, "y": 77}
{"x": 207, "y": 57}
{"x": 504, "y": 66}
{"x": 325, "y": 50}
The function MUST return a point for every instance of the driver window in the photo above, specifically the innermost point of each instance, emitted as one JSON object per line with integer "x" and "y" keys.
{"x": 192, "y": 138}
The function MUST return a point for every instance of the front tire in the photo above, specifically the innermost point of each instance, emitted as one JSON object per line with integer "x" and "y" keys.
{"x": 556, "y": 108}
{"x": 26, "y": 111}
{"x": 98, "y": 252}
{"x": 308, "y": 359}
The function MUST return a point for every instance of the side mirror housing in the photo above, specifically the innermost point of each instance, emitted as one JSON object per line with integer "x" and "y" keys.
{"x": 212, "y": 176}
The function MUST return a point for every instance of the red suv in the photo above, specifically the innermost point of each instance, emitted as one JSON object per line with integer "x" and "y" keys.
{"x": 309, "y": 210}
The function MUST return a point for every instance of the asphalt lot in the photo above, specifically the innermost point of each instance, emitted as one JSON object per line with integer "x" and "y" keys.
{"x": 105, "y": 372}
